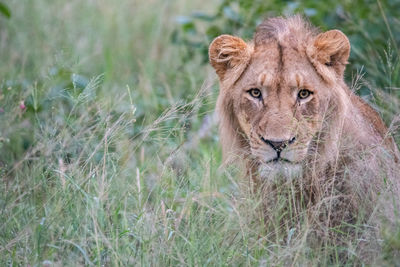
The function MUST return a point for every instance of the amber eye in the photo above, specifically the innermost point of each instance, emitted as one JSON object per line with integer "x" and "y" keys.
{"x": 303, "y": 94}
{"x": 254, "y": 92}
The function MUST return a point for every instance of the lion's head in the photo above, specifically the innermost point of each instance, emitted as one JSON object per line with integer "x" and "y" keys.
{"x": 281, "y": 93}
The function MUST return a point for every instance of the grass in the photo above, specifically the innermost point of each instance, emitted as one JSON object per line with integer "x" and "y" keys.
{"x": 101, "y": 161}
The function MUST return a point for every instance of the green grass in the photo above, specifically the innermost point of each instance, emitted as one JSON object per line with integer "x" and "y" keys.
{"x": 104, "y": 166}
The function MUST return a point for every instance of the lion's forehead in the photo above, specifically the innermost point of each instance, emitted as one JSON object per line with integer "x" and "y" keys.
{"x": 274, "y": 64}
{"x": 265, "y": 75}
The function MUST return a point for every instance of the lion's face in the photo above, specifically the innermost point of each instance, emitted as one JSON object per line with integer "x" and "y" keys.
{"x": 279, "y": 102}
{"x": 276, "y": 91}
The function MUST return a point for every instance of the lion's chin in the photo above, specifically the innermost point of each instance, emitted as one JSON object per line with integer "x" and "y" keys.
{"x": 280, "y": 170}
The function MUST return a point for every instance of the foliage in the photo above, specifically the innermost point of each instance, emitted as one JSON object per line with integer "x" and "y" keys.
{"x": 4, "y": 10}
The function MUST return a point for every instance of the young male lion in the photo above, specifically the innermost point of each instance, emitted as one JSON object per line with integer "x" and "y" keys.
{"x": 285, "y": 109}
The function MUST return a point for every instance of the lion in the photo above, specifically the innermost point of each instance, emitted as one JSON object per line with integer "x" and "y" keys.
{"x": 285, "y": 110}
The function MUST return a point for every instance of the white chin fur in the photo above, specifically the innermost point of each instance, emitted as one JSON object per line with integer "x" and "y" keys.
{"x": 280, "y": 170}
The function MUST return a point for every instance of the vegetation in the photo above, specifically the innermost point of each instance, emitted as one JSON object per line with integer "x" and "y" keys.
{"x": 108, "y": 153}
{"x": 4, "y": 10}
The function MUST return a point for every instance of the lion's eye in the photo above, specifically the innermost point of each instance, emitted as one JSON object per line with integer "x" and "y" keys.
{"x": 254, "y": 92}
{"x": 304, "y": 93}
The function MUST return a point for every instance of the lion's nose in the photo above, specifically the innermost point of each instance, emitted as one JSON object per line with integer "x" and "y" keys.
{"x": 278, "y": 145}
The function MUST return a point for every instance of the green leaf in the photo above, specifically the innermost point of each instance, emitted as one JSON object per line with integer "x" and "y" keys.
{"x": 203, "y": 16}
{"x": 213, "y": 31}
{"x": 5, "y": 10}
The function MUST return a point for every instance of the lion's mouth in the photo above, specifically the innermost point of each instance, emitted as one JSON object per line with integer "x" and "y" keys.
{"x": 279, "y": 159}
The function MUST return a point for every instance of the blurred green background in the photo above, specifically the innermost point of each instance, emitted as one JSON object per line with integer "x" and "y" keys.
{"x": 109, "y": 152}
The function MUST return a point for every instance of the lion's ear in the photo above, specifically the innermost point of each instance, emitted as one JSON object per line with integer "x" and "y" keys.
{"x": 228, "y": 52}
{"x": 332, "y": 49}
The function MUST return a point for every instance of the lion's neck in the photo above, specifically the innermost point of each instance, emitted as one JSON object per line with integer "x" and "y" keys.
{"x": 350, "y": 132}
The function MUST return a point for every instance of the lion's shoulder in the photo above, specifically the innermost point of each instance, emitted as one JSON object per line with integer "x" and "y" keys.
{"x": 374, "y": 120}
{"x": 370, "y": 115}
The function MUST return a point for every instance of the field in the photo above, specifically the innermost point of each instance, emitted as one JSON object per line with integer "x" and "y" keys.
{"x": 109, "y": 152}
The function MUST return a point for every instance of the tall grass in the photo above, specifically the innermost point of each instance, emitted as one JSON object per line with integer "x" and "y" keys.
{"x": 100, "y": 157}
